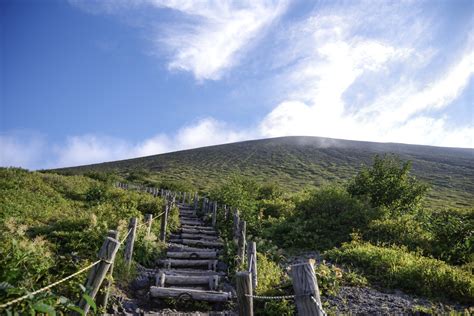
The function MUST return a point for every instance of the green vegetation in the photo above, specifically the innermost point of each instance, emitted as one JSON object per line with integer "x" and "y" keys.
{"x": 407, "y": 246}
{"x": 53, "y": 225}
{"x": 296, "y": 163}
{"x": 396, "y": 267}
{"x": 380, "y": 224}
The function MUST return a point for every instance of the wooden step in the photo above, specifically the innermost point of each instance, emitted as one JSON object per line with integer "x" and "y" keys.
{"x": 188, "y": 272}
{"x": 198, "y": 236}
{"x": 180, "y": 263}
{"x": 188, "y": 294}
{"x": 180, "y": 247}
{"x": 198, "y": 243}
{"x": 208, "y": 228}
{"x": 191, "y": 255}
{"x": 198, "y": 231}
{"x": 192, "y": 222}
{"x": 211, "y": 281}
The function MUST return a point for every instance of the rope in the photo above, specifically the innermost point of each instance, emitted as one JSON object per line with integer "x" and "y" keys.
{"x": 49, "y": 286}
{"x": 281, "y": 297}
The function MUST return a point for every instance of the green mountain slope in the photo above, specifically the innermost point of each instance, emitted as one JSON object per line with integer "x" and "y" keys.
{"x": 296, "y": 162}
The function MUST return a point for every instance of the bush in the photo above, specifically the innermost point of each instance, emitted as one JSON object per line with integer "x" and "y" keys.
{"x": 395, "y": 267}
{"x": 388, "y": 183}
{"x": 324, "y": 220}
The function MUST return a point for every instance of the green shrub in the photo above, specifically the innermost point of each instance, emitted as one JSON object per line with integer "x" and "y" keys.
{"x": 325, "y": 219}
{"x": 388, "y": 183}
{"x": 395, "y": 267}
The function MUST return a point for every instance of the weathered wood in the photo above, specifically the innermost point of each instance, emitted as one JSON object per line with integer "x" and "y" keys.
{"x": 164, "y": 222}
{"x": 197, "y": 231}
{"x": 200, "y": 243}
{"x": 128, "y": 254}
{"x": 191, "y": 272}
{"x": 198, "y": 236}
{"x": 97, "y": 273}
{"x": 191, "y": 255}
{"x": 252, "y": 262}
{"x": 169, "y": 263}
{"x": 244, "y": 292}
{"x": 214, "y": 214}
{"x": 104, "y": 292}
{"x": 197, "y": 227}
{"x": 198, "y": 295}
{"x": 241, "y": 242}
{"x": 192, "y": 222}
{"x": 236, "y": 225}
{"x": 180, "y": 247}
{"x": 169, "y": 279}
{"x": 305, "y": 286}
{"x": 148, "y": 221}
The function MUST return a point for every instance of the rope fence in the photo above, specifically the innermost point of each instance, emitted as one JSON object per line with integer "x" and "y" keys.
{"x": 17, "y": 300}
{"x": 29, "y": 295}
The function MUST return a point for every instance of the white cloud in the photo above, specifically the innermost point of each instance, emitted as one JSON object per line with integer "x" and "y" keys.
{"x": 326, "y": 59}
{"x": 211, "y": 41}
{"x": 21, "y": 149}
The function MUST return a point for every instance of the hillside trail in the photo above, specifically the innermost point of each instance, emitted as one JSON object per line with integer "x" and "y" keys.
{"x": 190, "y": 278}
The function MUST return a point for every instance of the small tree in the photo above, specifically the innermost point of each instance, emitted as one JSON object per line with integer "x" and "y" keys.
{"x": 388, "y": 183}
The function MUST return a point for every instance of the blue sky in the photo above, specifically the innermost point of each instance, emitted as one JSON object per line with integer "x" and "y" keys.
{"x": 90, "y": 81}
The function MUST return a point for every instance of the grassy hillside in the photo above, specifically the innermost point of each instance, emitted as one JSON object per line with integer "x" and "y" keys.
{"x": 296, "y": 162}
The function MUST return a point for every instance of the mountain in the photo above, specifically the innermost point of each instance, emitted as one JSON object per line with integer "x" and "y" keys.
{"x": 296, "y": 162}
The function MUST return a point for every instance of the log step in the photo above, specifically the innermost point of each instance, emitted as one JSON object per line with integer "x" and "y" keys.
{"x": 186, "y": 294}
{"x": 175, "y": 263}
{"x": 202, "y": 243}
{"x": 198, "y": 236}
{"x": 198, "y": 231}
{"x": 208, "y": 228}
{"x": 191, "y": 255}
{"x": 211, "y": 281}
{"x": 189, "y": 272}
{"x": 191, "y": 222}
{"x": 180, "y": 247}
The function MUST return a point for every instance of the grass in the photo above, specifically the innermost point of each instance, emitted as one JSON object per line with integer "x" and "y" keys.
{"x": 298, "y": 162}
{"x": 395, "y": 267}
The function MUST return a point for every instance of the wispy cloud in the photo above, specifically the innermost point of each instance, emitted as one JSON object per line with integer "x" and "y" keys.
{"x": 206, "y": 38}
{"x": 377, "y": 86}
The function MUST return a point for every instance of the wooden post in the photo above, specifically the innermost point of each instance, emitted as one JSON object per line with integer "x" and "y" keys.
{"x": 148, "y": 221}
{"x": 305, "y": 286}
{"x": 226, "y": 212}
{"x": 97, "y": 273}
{"x": 196, "y": 200}
{"x": 184, "y": 197}
{"x": 104, "y": 292}
{"x": 241, "y": 243}
{"x": 214, "y": 214}
{"x": 164, "y": 222}
{"x": 130, "y": 241}
{"x": 236, "y": 224}
{"x": 244, "y": 290}
{"x": 252, "y": 262}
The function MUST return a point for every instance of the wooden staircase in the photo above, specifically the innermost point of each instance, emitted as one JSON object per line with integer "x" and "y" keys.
{"x": 189, "y": 271}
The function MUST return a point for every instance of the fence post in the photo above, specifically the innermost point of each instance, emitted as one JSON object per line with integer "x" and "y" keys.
{"x": 236, "y": 224}
{"x": 214, "y": 214}
{"x": 130, "y": 241}
{"x": 305, "y": 286}
{"x": 104, "y": 292}
{"x": 164, "y": 222}
{"x": 148, "y": 221}
{"x": 252, "y": 262}
{"x": 196, "y": 200}
{"x": 97, "y": 274}
{"x": 241, "y": 243}
{"x": 244, "y": 292}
